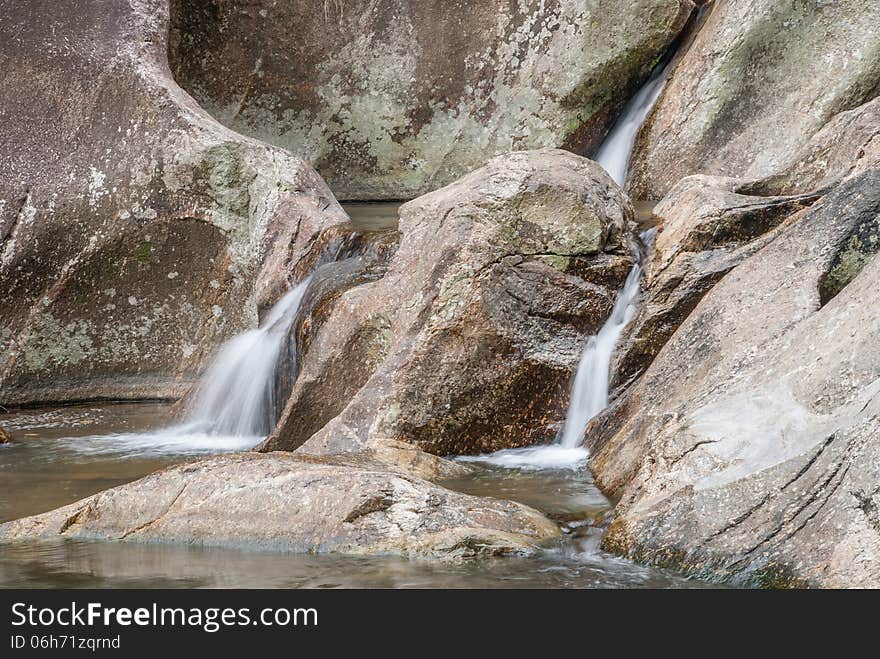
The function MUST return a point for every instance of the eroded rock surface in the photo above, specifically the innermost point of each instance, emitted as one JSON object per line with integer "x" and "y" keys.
{"x": 304, "y": 504}
{"x": 133, "y": 227}
{"x": 469, "y": 341}
{"x": 761, "y": 78}
{"x": 708, "y": 225}
{"x": 749, "y": 449}
{"x": 390, "y": 98}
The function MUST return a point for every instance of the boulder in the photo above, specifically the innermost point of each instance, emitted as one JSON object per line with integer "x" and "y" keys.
{"x": 469, "y": 341}
{"x": 760, "y": 79}
{"x": 133, "y": 227}
{"x": 296, "y": 503}
{"x": 393, "y": 99}
{"x": 707, "y": 225}
{"x": 748, "y": 451}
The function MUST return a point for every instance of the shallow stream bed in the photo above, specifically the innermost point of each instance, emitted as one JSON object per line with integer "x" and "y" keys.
{"x": 61, "y": 455}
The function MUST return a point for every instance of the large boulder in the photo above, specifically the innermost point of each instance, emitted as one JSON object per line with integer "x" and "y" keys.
{"x": 708, "y": 225}
{"x": 749, "y": 449}
{"x": 469, "y": 341}
{"x": 393, "y": 98}
{"x": 761, "y": 78}
{"x": 134, "y": 228}
{"x": 294, "y": 503}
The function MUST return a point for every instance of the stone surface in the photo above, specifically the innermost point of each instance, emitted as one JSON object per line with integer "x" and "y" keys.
{"x": 390, "y": 98}
{"x": 761, "y": 78}
{"x": 296, "y": 503}
{"x": 133, "y": 226}
{"x": 707, "y": 227}
{"x": 749, "y": 449}
{"x": 469, "y": 341}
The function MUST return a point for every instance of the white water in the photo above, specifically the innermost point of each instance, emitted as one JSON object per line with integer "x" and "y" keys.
{"x": 589, "y": 394}
{"x": 615, "y": 151}
{"x": 234, "y": 406}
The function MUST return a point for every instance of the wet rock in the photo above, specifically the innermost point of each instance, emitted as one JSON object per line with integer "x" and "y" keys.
{"x": 469, "y": 341}
{"x": 294, "y": 503}
{"x": 386, "y": 110}
{"x": 133, "y": 226}
{"x": 761, "y": 78}
{"x": 749, "y": 450}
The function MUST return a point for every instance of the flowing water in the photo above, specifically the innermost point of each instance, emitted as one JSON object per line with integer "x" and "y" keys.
{"x": 59, "y": 456}
{"x": 237, "y": 395}
{"x": 589, "y": 394}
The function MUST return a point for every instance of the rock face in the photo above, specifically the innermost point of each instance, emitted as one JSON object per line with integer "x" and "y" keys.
{"x": 761, "y": 78}
{"x": 296, "y": 503}
{"x": 133, "y": 227}
{"x": 749, "y": 448}
{"x": 707, "y": 228}
{"x": 387, "y": 109}
{"x": 708, "y": 225}
{"x": 469, "y": 341}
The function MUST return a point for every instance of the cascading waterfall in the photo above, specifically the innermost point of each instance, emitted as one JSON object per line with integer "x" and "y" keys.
{"x": 614, "y": 153}
{"x": 234, "y": 407}
{"x": 236, "y": 395}
{"x": 589, "y": 394}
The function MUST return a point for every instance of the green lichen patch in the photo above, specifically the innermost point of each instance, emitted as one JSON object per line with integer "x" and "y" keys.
{"x": 859, "y": 248}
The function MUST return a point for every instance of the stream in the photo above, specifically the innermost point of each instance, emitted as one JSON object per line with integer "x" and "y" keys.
{"x": 61, "y": 455}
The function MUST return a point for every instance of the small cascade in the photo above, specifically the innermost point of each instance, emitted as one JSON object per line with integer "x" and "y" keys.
{"x": 234, "y": 407}
{"x": 614, "y": 153}
{"x": 237, "y": 394}
{"x": 589, "y": 394}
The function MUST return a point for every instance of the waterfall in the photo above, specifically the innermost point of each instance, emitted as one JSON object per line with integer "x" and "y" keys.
{"x": 234, "y": 406}
{"x": 615, "y": 151}
{"x": 236, "y": 394}
{"x": 589, "y": 394}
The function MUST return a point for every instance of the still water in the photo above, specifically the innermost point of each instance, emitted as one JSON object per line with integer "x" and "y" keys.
{"x": 58, "y": 456}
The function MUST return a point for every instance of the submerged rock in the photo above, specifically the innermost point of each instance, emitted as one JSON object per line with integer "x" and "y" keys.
{"x": 469, "y": 341}
{"x": 295, "y": 503}
{"x": 387, "y": 110}
{"x": 749, "y": 449}
{"x": 761, "y": 78}
{"x": 133, "y": 226}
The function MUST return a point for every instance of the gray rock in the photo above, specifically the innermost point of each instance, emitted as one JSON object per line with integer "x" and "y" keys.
{"x": 707, "y": 228}
{"x": 749, "y": 449}
{"x": 761, "y": 78}
{"x": 708, "y": 225}
{"x": 296, "y": 503}
{"x": 136, "y": 233}
{"x": 387, "y": 109}
{"x": 469, "y": 341}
